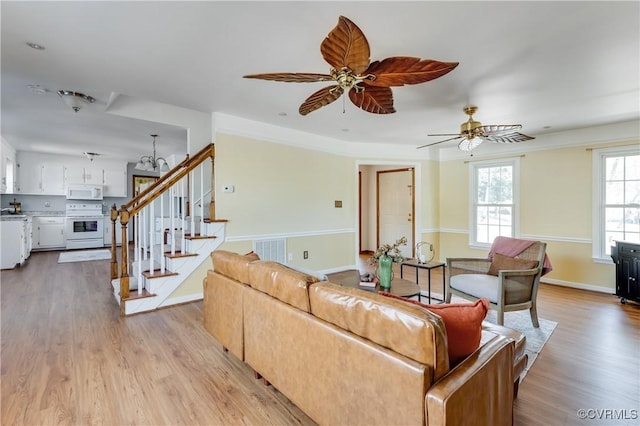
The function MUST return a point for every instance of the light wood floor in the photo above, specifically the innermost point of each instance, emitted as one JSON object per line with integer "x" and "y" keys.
{"x": 68, "y": 358}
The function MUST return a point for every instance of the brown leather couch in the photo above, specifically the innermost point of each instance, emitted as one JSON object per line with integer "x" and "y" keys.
{"x": 347, "y": 356}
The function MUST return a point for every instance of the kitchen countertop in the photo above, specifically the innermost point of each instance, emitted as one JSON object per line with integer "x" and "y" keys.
{"x": 45, "y": 213}
{"x": 8, "y": 217}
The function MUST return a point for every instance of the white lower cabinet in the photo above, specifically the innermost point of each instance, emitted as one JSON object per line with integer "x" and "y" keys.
{"x": 48, "y": 232}
{"x": 14, "y": 234}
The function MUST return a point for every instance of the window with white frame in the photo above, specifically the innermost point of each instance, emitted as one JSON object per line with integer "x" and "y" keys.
{"x": 494, "y": 195}
{"x": 616, "y": 214}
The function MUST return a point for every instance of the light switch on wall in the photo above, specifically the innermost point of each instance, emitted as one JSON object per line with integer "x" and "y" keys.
{"x": 228, "y": 188}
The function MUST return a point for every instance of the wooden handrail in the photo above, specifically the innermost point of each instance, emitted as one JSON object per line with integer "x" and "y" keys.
{"x": 160, "y": 188}
{"x": 189, "y": 163}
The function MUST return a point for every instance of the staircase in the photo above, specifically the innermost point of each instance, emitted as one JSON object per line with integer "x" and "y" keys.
{"x": 171, "y": 235}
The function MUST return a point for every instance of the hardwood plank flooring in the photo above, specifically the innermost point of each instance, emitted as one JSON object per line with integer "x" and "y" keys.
{"x": 68, "y": 358}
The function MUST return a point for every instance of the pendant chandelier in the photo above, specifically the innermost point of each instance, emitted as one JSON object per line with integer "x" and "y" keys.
{"x": 151, "y": 163}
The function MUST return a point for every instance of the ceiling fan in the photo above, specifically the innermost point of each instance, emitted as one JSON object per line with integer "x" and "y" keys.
{"x": 368, "y": 83}
{"x": 473, "y": 133}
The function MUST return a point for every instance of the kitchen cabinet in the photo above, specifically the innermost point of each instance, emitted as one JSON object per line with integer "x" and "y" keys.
{"x": 14, "y": 244}
{"x": 49, "y": 174}
{"x": 7, "y": 168}
{"x": 115, "y": 182}
{"x": 107, "y": 231}
{"x": 92, "y": 174}
{"x": 40, "y": 178}
{"x": 48, "y": 232}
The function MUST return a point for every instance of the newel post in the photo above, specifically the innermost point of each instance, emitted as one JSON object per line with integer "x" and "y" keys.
{"x": 212, "y": 204}
{"x": 124, "y": 267}
{"x": 114, "y": 259}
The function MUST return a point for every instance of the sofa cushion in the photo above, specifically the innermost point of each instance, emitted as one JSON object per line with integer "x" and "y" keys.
{"x": 463, "y": 322}
{"x": 501, "y": 262}
{"x": 406, "y": 329}
{"x": 485, "y": 286}
{"x": 281, "y": 282}
{"x": 233, "y": 265}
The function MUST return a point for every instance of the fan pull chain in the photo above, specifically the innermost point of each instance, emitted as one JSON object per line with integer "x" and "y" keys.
{"x": 344, "y": 110}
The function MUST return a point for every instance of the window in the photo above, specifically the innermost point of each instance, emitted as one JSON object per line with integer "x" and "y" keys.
{"x": 494, "y": 200}
{"x": 616, "y": 200}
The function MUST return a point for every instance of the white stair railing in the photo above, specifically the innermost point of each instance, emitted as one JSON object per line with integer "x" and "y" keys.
{"x": 171, "y": 191}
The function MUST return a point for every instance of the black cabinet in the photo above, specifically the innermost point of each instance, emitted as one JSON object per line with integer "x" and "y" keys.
{"x": 627, "y": 259}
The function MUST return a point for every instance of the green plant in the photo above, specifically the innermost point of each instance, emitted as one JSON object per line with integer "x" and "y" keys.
{"x": 392, "y": 250}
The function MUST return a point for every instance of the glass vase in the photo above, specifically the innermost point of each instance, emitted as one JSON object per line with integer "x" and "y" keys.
{"x": 385, "y": 272}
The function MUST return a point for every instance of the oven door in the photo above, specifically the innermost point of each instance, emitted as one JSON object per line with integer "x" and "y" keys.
{"x": 85, "y": 232}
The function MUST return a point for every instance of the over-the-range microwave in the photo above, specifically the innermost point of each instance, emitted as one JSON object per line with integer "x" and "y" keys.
{"x": 82, "y": 191}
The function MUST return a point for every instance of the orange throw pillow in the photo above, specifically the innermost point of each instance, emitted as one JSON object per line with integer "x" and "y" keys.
{"x": 463, "y": 322}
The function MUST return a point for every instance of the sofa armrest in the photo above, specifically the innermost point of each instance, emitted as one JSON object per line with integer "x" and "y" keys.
{"x": 477, "y": 391}
{"x": 467, "y": 265}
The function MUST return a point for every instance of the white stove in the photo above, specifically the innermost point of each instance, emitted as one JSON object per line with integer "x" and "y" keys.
{"x": 84, "y": 225}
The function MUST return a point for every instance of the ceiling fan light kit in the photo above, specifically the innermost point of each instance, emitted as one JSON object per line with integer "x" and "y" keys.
{"x": 75, "y": 100}
{"x": 367, "y": 83}
{"x": 473, "y": 133}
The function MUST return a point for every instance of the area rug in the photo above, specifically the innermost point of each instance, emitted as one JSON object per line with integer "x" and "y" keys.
{"x": 536, "y": 337}
{"x": 84, "y": 255}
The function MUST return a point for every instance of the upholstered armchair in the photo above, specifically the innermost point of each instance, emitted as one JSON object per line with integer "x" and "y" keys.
{"x": 509, "y": 282}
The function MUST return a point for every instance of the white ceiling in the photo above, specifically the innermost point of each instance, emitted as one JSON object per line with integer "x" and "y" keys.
{"x": 551, "y": 66}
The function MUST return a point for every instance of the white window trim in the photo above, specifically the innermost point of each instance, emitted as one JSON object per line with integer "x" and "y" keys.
{"x": 598, "y": 168}
{"x": 473, "y": 165}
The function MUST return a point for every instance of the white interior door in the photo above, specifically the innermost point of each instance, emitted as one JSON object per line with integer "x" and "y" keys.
{"x": 395, "y": 208}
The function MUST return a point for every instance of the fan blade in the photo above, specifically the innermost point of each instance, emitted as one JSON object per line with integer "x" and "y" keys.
{"x": 376, "y": 100}
{"x": 493, "y": 129}
{"x": 436, "y": 143}
{"x": 292, "y": 77}
{"x": 320, "y": 98}
{"x": 508, "y": 138}
{"x": 346, "y": 46}
{"x": 401, "y": 70}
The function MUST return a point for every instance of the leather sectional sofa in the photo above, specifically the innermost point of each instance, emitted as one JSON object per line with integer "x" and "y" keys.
{"x": 347, "y": 356}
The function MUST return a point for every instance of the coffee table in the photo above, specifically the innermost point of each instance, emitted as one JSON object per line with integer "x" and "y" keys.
{"x": 399, "y": 286}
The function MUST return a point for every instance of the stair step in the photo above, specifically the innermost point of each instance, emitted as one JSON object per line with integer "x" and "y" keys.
{"x": 178, "y": 254}
{"x": 215, "y": 220}
{"x": 157, "y": 274}
{"x": 198, "y": 237}
{"x": 134, "y": 294}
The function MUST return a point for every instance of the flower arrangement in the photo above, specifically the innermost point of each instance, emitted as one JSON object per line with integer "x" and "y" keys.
{"x": 391, "y": 250}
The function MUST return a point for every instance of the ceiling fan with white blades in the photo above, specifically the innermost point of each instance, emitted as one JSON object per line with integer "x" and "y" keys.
{"x": 473, "y": 133}
{"x": 368, "y": 84}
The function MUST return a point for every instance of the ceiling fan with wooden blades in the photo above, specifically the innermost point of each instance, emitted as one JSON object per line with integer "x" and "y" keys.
{"x": 368, "y": 84}
{"x": 473, "y": 133}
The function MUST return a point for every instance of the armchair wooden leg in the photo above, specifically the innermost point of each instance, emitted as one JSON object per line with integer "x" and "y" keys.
{"x": 534, "y": 316}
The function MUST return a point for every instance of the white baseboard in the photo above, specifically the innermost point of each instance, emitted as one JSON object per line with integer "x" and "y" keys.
{"x": 581, "y": 286}
{"x": 337, "y": 269}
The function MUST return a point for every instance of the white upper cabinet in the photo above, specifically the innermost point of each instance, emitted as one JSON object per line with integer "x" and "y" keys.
{"x": 7, "y": 168}
{"x": 52, "y": 178}
{"x": 49, "y": 174}
{"x": 84, "y": 174}
{"x": 115, "y": 182}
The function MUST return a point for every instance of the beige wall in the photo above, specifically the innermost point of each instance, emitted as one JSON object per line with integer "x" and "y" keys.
{"x": 556, "y": 207}
{"x": 286, "y": 191}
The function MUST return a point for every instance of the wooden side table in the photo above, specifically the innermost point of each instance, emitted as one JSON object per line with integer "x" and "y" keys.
{"x": 413, "y": 263}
